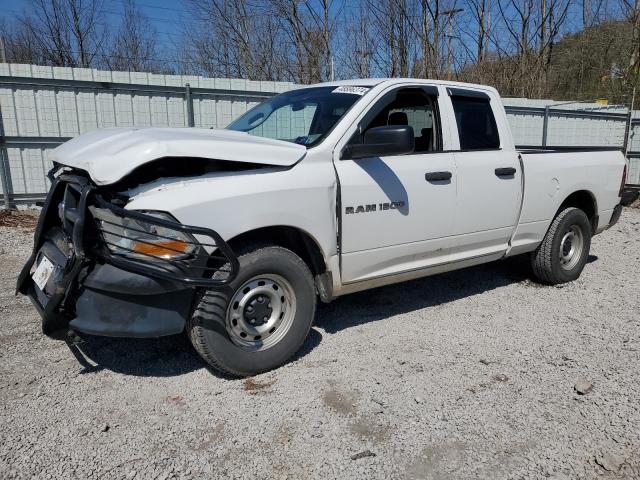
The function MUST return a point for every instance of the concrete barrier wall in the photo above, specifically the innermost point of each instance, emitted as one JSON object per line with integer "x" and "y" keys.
{"x": 42, "y": 106}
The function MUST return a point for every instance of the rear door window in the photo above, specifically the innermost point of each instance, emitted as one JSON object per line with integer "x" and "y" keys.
{"x": 477, "y": 127}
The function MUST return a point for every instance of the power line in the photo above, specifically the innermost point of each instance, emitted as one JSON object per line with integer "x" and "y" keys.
{"x": 157, "y": 7}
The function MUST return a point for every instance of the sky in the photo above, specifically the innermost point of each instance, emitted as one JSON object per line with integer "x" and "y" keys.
{"x": 166, "y": 16}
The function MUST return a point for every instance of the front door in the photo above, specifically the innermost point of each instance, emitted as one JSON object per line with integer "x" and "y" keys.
{"x": 397, "y": 211}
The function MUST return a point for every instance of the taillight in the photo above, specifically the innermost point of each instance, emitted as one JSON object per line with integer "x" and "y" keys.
{"x": 623, "y": 181}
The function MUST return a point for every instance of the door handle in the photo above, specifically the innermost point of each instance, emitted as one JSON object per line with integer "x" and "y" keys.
{"x": 505, "y": 172}
{"x": 437, "y": 176}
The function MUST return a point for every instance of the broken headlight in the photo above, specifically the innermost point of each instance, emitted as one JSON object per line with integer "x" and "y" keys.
{"x": 143, "y": 239}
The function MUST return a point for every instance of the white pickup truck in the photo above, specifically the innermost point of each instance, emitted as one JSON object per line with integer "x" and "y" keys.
{"x": 318, "y": 192}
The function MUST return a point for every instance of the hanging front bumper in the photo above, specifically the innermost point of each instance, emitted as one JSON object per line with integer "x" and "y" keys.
{"x": 107, "y": 274}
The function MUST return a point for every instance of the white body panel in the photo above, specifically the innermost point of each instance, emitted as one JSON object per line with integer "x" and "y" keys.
{"x": 416, "y": 230}
{"x": 487, "y": 206}
{"x": 235, "y": 203}
{"x": 551, "y": 177}
{"x": 110, "y": 154}
{"x": 476, "y": 217}
{"x": 396, "y": 240}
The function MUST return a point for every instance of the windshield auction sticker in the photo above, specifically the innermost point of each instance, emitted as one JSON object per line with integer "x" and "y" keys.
{"x": 351, "y": 89}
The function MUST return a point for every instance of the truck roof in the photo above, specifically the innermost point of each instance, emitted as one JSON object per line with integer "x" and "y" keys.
{"x": 372, "y": 82}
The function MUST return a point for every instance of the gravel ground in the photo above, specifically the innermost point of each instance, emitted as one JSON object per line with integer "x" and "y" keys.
{"x": 470, "y": 374}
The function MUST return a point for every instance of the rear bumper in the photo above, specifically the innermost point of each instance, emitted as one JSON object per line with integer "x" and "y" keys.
{"x": 95, "y": 291}
{"x": 629, "y": 195}
{"x": 617, "y": 211}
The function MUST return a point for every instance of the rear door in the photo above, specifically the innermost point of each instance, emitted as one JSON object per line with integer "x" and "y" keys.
{"x": 397, "y": 210}
{"x": 489, "y": 176}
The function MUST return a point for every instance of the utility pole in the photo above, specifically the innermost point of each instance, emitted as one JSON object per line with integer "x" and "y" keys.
{"x": 3, "y": 53}
{"x": 449, "y": 14}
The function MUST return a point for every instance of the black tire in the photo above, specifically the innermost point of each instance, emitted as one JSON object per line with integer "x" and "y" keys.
{"x": 547, "y": 261}
{"x": 207, "y": 326}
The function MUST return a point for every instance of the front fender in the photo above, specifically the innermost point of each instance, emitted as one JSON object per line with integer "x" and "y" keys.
{"x": 303, "y": 197}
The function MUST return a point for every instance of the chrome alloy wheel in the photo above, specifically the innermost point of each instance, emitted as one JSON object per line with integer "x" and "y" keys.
{"x": 571, "y": 247}
{"x": 261, "y": 312}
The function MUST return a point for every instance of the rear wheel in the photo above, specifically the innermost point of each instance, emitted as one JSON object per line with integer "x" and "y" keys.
{"x": 563, "y": 253}
{"x": 263, "y": 318}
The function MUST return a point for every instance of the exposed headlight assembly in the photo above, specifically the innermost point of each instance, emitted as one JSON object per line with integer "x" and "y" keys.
{"x": 142, "y": 239}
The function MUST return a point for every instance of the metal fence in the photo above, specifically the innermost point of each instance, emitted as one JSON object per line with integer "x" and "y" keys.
{"x": 42, "y": 107}
{"x": 549, "y": 127}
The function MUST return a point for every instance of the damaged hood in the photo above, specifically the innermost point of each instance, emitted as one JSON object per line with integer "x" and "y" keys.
{"x": 108, "y": 155}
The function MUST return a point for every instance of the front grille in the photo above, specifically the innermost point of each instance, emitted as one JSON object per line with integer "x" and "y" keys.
{"x": 69, "y": 234}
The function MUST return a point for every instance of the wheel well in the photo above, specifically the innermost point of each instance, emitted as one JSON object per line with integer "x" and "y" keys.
{"x": 294, "y": 239}
{"x": 585, "y": 201}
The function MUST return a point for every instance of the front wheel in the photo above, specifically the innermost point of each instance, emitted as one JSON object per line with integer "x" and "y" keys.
{"x": 263, "y": 318}
{"x": 563, "y": 253}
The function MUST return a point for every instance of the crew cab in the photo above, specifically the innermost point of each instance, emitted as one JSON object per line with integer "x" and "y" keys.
{"x": 233, "y": 234}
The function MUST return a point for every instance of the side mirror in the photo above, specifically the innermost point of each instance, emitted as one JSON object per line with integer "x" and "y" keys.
{"x": 382, "y": 141}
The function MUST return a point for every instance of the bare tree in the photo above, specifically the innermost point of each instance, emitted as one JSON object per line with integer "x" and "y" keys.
{"x": 308, "y": 27}
{"x": 632, "y": 13}
{"x": 591, "y": 11}
{"x": 393, "y": 22}
{"x": 478, "y": 27}
{"x": 431, "y": 38}
{"x": 19, "y": 45}
{"x": 323, "y": 16}
{"x": 134, "y": 45}
{"x": 66, "y": 32}
{"x": 532, "y": 27}
{"x": 270, "y": 40}
{"x": 475, "y": 51}
{"x": 576, "y": 48}
{"x": 234, "y": 38}
{"x": 360, "y": 44}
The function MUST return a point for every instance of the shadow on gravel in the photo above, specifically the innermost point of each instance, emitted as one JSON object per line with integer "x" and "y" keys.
{"x": 172, "y": 356}
{"x": 381, "y": 303}
{"x": 154, "y": 357}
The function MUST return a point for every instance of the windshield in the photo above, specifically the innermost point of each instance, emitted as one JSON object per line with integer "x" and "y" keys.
{"x": 301, "y": 116}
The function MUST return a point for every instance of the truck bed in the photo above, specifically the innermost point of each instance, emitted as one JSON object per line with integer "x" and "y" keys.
{"x": 562, "y": 171}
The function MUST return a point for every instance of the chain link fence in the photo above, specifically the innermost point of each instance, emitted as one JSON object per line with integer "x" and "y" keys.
{"x": 42, "y": 107}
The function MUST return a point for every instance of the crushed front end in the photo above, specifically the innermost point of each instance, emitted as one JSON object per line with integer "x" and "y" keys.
{"x": 101, "y": 269}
